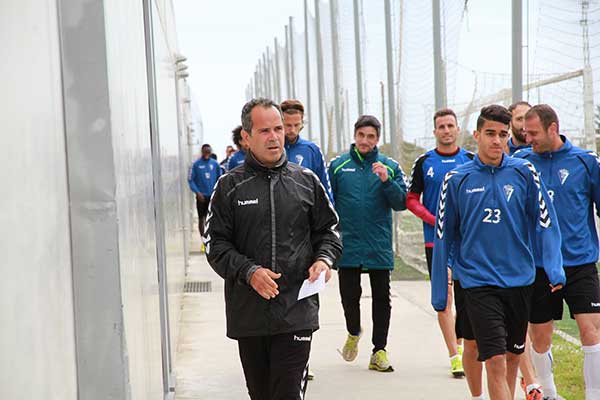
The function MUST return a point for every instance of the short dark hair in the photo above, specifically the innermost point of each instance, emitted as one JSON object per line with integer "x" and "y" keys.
{"x": 206, "y": 145}
{"x": 545, "y": 113}
{"x": 442, "y": 113}
{"x": 292, "y": 106}
{"x": 367, "y": 120}
{"x": 496, "y": 113}
{"x": 517, "y": 104}
{"x": 249, "y": 106}
{"x": 236, "y": 136}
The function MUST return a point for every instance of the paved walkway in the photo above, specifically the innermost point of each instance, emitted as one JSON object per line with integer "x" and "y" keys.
{"x": 208, "y": 367}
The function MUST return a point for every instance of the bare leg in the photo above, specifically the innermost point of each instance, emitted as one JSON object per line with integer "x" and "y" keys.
{"x": 446, "y": 321}
{"x": 512, "y": 365}
{"x": 589, "y": 332}
{"x": 526, "y": 365}
{"x": 473, "y": 368}
{"x": 496, "y": 368}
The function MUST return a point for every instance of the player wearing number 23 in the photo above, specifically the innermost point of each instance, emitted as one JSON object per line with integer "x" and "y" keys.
{"x": 485, "y": 211}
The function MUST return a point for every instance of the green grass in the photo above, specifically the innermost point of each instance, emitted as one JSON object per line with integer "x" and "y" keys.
{"x": 568, "y": 369}
{"x": 404, "y": 272}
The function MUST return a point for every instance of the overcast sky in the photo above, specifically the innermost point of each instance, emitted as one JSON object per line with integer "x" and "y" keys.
{"x": 224, "y": 39}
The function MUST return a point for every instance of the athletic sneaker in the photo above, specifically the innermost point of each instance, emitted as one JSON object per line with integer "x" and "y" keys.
{"x": 456, "y": 366}
{"x": 350, "y": 349}
{"x": 379, "y": 362}
{"x": 535, "y": 394}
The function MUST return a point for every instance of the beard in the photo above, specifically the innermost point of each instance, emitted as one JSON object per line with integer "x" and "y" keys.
{"x": 518, "y": 134}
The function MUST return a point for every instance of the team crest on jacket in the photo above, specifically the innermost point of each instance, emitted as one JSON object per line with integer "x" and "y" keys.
{"x": 563, "y": 174}
{"x": 508, "y": 192}
{"x": 299, "y": 159}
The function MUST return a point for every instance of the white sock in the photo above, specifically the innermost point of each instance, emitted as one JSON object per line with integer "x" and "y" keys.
{"x": 543, "y": 367}
{"x": 480, "y": 397}
{"x": 529, "y": 388}
{"x": 591, "y": 374}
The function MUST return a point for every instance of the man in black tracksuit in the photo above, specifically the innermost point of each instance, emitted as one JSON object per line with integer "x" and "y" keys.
{"x": 270, "y": 227}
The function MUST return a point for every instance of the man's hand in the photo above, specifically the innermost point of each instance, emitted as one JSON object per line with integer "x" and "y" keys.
{"x": 380, "y": 170}
{"x": 555, "y": 288}
{"x": 200, "y": 197}
{"x": 315, "y": 270}
{"x": 262, "y": 280}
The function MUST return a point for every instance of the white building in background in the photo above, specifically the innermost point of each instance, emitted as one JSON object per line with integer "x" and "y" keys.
{"x": 94, "y": 220}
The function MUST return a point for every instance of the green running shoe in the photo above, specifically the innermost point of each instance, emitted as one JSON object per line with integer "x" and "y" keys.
{"x": 379, "y": 362}
{"x": 456, "y": 366}
{"x": 350, "y": 349}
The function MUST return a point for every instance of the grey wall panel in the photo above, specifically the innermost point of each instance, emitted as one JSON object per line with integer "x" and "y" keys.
{"x": 134, "y": 196}
{"x": 102, "y": 362}
{"x": 37, "y": 344}
{"x": 167, "y": 115}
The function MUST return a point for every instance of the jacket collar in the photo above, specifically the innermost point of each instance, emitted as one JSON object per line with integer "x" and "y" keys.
{"x": 255, "y": 165}
{"x": 481, "y": 165}
{"x": 567, "y": 145}
{"x": 298, "y": 141}
{"x": 359, "y": 158}
{"x": 513, "y": 147}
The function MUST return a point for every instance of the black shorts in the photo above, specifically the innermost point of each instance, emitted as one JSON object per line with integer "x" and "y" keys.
{"x": 582, "y": 294}
{"x": 429, "y": 257}
{"x": 462, "y": 326}
{"x": 202, "y": 208}
{"x": 499, "y": 318}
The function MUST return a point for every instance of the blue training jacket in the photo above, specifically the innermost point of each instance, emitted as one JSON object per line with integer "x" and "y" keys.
{"x": 307, "y": 154}
{"x": 427, "y": 176}
{"x": 236, "y": 159}
{"x": 513, "y": 148}
{"x": 204, "y": 175}
{"x": 572, "y": 176}
{"x": 485, "y": 213}
{"x": 364, "y": 205}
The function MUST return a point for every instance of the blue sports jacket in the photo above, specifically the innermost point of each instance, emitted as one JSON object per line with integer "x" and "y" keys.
{"x": 236, "y": 159}
{"x": 513, "y": 148}
{"x": 427, "y": 176}
{"x": 364, "y": 205}
{"x": 204, "y": 175}
{"x": 307, "y": 154}
{"x": 572, "y": 176}
{"x": 485, "y": 212}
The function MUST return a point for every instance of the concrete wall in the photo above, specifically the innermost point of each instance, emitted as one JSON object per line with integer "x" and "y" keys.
{"x": 37, "y": 344}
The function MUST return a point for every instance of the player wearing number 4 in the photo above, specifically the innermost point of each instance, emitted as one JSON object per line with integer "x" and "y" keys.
{"x": 490, "y": 207}
{"x": 424, "y": 186}
{"x": 573, "y": 179}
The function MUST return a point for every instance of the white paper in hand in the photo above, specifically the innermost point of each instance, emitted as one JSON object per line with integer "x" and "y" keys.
{"x": 310, "y": 288}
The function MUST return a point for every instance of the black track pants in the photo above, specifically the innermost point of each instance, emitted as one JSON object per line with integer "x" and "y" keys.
{"x": 276, "y": 366}
{"x": 351, "y": 291}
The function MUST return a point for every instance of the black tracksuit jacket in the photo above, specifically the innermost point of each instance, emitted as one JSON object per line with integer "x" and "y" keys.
{"x": 278, "y": 218}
